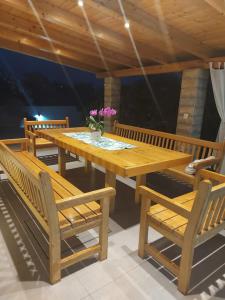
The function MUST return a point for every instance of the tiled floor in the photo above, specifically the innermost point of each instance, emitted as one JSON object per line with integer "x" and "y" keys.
{"x": 23, "y": 256}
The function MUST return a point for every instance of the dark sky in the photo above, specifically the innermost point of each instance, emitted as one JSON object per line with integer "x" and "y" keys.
{"x": 20, "y": 64}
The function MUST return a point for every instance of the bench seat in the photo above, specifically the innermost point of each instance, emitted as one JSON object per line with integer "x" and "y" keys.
{"x": 70, "y": 217}
{"x": 167, "y": 219}
{"x": 42, "y": 143}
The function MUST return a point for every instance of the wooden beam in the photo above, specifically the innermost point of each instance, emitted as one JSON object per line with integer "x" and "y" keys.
{"x": 61, "y": 52}
{"x": 28, "y": 27}
{"x": 160, "y": 69}
{"x": 218, "y": 5}
{"x": 17, "y": 46}
{"x": 70, "y": 21}
{"x": 151, "y": 24}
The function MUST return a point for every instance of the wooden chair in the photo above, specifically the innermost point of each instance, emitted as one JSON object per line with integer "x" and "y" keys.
{"x": 198, "y": 148}
{"x": 35, "y": 142}
{"x": 188, "y": 221}
{"x": 61, "y": 209}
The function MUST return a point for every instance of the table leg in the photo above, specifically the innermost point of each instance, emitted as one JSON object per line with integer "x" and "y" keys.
{"x": 62, "y": 161}
{"x": 140, "y": 180}
{"x": 87, "y": 166}
{"x": 110, "y": 181}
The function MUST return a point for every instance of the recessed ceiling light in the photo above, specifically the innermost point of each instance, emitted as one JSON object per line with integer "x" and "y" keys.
{"x": 127, "y": 25}
{"x": 80, "y": 3}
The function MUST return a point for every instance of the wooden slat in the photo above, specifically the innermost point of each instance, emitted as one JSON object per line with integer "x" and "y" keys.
{"x": 150, "y": 24}
{"x": 77, "y": 215}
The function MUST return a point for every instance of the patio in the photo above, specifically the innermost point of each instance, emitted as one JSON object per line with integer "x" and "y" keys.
{"x": 123, "y": 275}
{"x": 43, "y": 212}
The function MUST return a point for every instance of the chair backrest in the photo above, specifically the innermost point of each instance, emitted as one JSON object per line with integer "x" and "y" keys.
{"x": 208, "y": 211}
{"x": 36, "y": 125}
{"x": 28, "y": 184}
{"x": 196, "y": 147}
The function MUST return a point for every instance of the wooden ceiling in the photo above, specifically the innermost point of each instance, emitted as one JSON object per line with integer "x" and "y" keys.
{"x": 164, "y": 35}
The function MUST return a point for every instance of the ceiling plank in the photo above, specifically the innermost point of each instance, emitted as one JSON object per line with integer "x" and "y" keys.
{"x": 152, "y": 24}
{"x": 28, "y": 27}
{"x": 72, "y": 22}
{"x": 218, "y": 5}
{"x": 44, "y": 45}
{"x": 160, "y": 69}
{"x": 40, "y": 43}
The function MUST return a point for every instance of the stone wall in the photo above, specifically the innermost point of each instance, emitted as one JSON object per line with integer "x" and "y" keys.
{"x": 192, "y": 102}
{"x": 111, "y": 98}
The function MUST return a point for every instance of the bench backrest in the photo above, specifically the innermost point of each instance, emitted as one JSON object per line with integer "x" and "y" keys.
{"x": 208, "y": 211}
{"x": 30, "y": 185}
{"x": 37, "y": 125}
{"x": 196, "y": 147}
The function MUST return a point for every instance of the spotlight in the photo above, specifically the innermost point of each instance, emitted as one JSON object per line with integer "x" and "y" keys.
{"x": 127, "y": 25}
{"x": 39, "y": 117}
{"x": 80, "y": 3}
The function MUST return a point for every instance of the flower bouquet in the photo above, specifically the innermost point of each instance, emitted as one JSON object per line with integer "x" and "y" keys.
{"x": 95, "y": 120}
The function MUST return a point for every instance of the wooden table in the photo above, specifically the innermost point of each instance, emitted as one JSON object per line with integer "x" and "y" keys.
{"x": 138, "y": 161}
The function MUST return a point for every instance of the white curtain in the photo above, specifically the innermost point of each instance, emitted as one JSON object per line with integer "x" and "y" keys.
{"x": 218, "y": 84}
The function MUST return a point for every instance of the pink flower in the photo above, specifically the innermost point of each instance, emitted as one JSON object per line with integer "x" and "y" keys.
{"x": 93, "y": 112}
{"x": 113, "y": 112}
{"x": 107, "y": 112}
{"x": 101, "y": 112}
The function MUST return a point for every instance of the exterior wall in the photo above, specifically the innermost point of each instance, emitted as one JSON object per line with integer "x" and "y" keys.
{"x": 192, "y": 102}
{"x": 111, "y": 98}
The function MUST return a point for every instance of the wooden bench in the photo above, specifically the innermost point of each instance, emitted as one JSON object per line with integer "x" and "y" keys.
{"x": 187, "y": 221}
{"x": 61, "y": 209}
{"x": 199, "y": 149}
{"x": 35, "y": 142}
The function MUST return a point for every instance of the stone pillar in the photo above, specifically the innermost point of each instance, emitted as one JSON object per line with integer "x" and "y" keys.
{"x": 112, "y": 99}
{"x": 192, "y": 102}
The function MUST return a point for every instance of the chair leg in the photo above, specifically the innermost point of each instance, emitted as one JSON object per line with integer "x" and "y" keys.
{"x": 103, "y": 230}
{"x": 54, "y": 260}
{"x": 143, "y": 233}
{"x": 185, "y": 269}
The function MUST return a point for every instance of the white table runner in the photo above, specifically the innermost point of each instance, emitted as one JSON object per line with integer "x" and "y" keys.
{"x": 103, "y": 143}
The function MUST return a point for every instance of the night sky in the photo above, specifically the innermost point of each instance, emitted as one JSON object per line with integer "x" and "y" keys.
{"x": 21, "y": 64}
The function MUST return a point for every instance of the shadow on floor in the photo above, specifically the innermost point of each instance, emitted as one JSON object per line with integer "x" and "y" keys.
{"x": 28, "y": 245}
{"x": 208, "y": 272}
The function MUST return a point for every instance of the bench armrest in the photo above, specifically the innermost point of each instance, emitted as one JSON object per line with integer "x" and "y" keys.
{"x": 167, "y": 202}
{"x": 212, "y": 176}
{"x": 206, "y": 163}
{"x": 85, "y": 198}
{"x": 21, "y": 141}
{"x": 30, "y": 134}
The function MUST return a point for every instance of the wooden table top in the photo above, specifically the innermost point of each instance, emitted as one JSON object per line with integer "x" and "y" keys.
{"x": 140, "y": 160}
